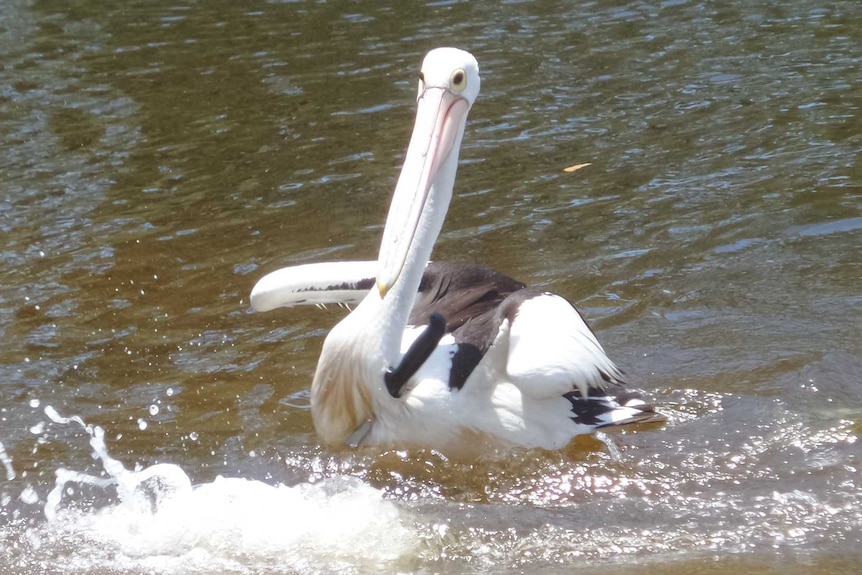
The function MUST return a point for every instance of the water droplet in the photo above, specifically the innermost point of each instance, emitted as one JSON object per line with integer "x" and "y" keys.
{"x": 142, "y": 424}
{"x": 29, "y": 495}
{"x": 34, "y": 403}
{"x": 154, "y": 409}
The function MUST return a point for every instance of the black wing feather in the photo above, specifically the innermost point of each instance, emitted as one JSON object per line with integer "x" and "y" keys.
{"x": 469, "y": 298}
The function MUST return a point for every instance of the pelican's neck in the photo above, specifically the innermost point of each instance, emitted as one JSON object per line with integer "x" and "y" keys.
{"x": 396, "y": 306}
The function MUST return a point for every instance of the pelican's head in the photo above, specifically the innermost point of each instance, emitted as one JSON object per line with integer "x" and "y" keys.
{"x": 448, "y": 86}
{"x": 450, "y": 69}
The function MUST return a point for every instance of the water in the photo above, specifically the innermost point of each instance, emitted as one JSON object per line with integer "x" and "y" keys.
{"x": 157, "y": 159}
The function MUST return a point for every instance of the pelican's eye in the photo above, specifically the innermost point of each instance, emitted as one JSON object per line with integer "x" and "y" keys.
{"x": 458, "y": 80}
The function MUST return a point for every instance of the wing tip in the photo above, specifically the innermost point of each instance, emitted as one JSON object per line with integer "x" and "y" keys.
{"x": 644, "y": 417}
{"x": 606, "y": 411}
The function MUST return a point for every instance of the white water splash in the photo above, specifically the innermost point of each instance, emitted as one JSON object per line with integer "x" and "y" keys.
{"x": 6, "y": 461}
{"x": 163, "y": 523}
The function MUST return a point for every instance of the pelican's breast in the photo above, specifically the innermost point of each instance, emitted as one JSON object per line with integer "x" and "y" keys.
{"x": 340, "y": 400}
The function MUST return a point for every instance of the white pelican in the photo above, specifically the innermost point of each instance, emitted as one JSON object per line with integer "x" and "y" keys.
{"x": 441, "y": 355}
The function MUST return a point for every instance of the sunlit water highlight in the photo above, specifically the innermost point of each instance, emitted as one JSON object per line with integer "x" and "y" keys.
{"x": 362, "y": 512}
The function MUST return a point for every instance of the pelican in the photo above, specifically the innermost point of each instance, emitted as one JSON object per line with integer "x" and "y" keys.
{"x": 444, "y": 355}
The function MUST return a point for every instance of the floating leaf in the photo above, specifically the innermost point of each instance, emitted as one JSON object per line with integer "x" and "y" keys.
{"x": 577, "y": 167}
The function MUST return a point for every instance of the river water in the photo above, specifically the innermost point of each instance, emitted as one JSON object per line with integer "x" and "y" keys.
{"x": 156, "y": 159}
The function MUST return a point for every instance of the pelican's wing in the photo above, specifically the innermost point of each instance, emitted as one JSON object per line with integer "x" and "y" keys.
{"x": 314, "y": 284}
{"x": 468, "y": 298}
{"x": 552, "y": 350}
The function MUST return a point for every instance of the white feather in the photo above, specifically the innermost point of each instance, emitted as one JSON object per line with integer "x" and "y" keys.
{"x": 488, "y": 405}
{"x": 552, "y": 351}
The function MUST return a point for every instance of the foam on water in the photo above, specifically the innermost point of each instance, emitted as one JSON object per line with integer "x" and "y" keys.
{"x": 158, "y": 521}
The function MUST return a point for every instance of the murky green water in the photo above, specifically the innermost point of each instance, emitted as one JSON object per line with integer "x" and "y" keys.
{"x": 157, "y": 159}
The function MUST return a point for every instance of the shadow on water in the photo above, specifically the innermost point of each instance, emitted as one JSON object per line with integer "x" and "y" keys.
{"x": 158, "y": 159}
